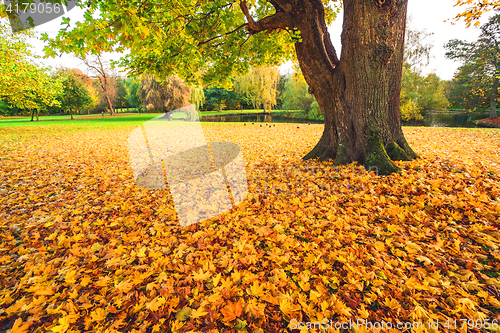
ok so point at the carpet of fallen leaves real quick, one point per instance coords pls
(495, 121)
(82, 248)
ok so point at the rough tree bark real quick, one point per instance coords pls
(358, 93)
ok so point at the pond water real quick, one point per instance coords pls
(448, 119)
(257, 118)
(436, 119)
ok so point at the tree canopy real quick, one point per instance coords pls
(166, 95)
(181, 37)
(24, 84)
(74, 95)
(481, 57)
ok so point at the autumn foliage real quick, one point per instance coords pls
(82, 248)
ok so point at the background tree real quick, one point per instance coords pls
(218, 96)
(88, 83)
(482, 56)
(121, 94)
(280, 87)
(469, 89)
(197, 96)
(132, 85)
(259, 86)
(417, 47)
(419, 93)
(296, 95)
(23, 84)
(106, 81)
(163, 96)
(74, 95)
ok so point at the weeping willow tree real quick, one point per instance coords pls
(259, 86)
(197, 96)
(163, 96)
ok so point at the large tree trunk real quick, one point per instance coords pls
(493, 98)
(358, 94)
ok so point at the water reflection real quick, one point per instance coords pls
(257, 118)
(448, 119)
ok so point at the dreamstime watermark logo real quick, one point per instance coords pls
(204, 179)
(32, 13)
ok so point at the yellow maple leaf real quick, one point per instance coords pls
(197, 313)
(392, 303)
(419, 313)
(200, 276)
(74, 294)
(216, 279)
(98, 314)
(96, 247)
(70, 277)
(287, 306)
(424, 259)
(142, 252)
(85, 281)
(65, 322)
(306, 286)
(379, 246)
(257, 289)
(412, 283)
(255, 309)
(314, 295)
(20, 327)
(45, 291)
(103, 281)
(342, 309)
(363, 313)
(125, 286)
(155, 304)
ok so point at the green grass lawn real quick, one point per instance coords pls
(99, 121)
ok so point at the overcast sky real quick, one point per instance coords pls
(424, 14)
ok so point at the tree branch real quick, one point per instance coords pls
(330, 50)
(219, 36)
(279, 20)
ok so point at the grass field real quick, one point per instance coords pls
(83, 248)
